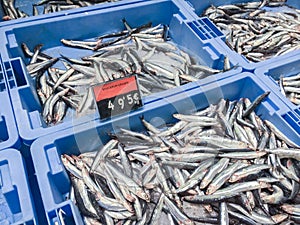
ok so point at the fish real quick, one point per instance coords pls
(158, 176)
(49, 6)
(158, 63)
(255, 29)
(289, 87)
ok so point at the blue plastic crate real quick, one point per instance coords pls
(52, 29)
(16, 204)
(200, 6)
(197, 7)
(23, 5)
(269, 73)
(9, 136)
(46, 151)
(27, 7)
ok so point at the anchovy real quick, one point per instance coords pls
(102, 152)
(224, 217)
(222, 177)
(146, 50)
(176, 213)
(246, 171)
(34, 68)
(255, 103)
(280, 135)
(130, 183)
(255, 29)
(213, 170)
(146, 177)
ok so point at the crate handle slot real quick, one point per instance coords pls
(18, 71)
(205, 29)
(62, 215)
(293, 120)
(8, 189)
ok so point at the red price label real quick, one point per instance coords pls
(118, 96)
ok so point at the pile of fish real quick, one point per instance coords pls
(145, 51)
(258, 30)
(220, 165)
(11, 12)
(289, 87)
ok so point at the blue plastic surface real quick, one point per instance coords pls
(270, 72)
(83, 25)
(27, 7)
(9, 136)
(15, 199)
(197, 8)
(23, 5)
(46, 151)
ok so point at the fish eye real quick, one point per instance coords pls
(146, 196)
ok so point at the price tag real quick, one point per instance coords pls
(117, 97)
